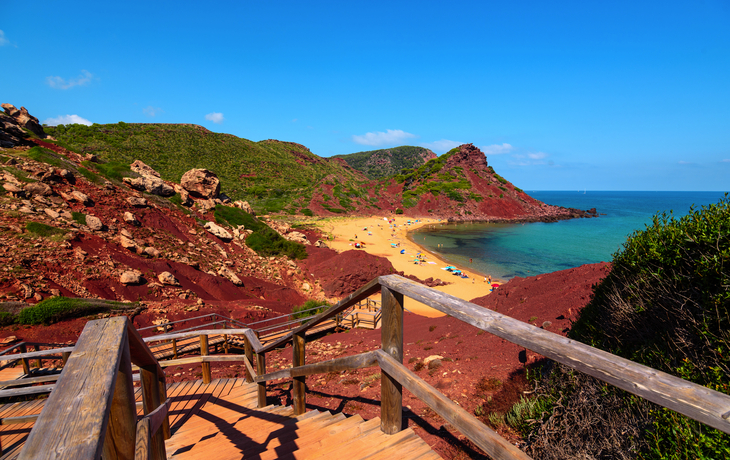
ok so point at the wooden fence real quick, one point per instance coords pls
(98, 375)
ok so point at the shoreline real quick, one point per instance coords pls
(378, 238)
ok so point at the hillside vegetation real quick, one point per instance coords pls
(665, 304)
(378, 164)
(272, 175)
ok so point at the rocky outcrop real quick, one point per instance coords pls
(143, 169)
(201, 183)
(149, 180)
(131, 277)
(243, 205)
(24, 119)
(167, 278)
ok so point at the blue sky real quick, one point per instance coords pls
(559, 95)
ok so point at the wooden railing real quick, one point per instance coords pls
(91, 411)
(697, 402)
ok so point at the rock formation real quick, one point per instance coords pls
(201, 183)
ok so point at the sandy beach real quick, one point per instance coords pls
(379, 237)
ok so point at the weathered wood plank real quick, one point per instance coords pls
(143, 445)
(253, 339)
(27, 391)
(86, 383)
(139, 352)
(695, 401)
(248, 350)
(35, 354)
(364, 292)
(194, 333)
(119, 438)
(344, 363)
(481, 435)
(29, 381)
(391, 397)
(250, 373)
(19, 420)
(260, 370)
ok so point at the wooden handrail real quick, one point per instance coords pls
(695, 401)
(346, 363)
(94, 397)
(369, 289)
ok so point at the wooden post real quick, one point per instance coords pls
(120, 432)
(299, 383)
(248, 350)
(165, 428)
(174, 348)
(261, 370)
(391, 403)
(38, 362)
(150, 401)
(64, 358)
(24, 361)
(204, 352)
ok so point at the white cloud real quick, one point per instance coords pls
(66, 120)
(3, 41)
(152, 111)
(726, 160)
(60, 83)
(391, 136)
(215, 117)
(537, 155)
(444, 145)
(496, 149)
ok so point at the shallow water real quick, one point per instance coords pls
(508, 250)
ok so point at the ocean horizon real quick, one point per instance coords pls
(508, 250)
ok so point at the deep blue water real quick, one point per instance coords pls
(508, 250)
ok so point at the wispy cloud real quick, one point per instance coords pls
(496, 149)
(537, 155)
(61, 83)
(66, 120)
(726, 160)
(3, 41)
(152, 111)
(215, 117)
(529, 159)
(391, 136)
(444, 145)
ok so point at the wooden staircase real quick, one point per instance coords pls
(229, 426)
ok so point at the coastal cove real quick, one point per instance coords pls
(507, 250)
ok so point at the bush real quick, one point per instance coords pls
(112, 170)
(298, 312)
(6, 318)
(665, 304)
(47, 156)
(306, 212)
(59, 308)
(399, 211)
(79, 217)
(44, 230)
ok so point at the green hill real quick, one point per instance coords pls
(272, 175)
(377, 164)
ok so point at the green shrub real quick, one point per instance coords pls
(399, 211)
(665, 304)
(44, 230)
(47, 156)
(7, 318)
(298, 312)
(56, 309)
(112, 170)
(90, 176)
(306, 212)
(79, 217)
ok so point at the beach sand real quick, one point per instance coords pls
(378, 239)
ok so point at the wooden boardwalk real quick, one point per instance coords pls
(221, 419)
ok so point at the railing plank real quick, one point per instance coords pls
(29, 381)
(35, 354)
(193, 333)
(27, 391)
(487, 439)
(346, 363)
(299, 384)
(119, 438)
(81, 399)
(695, 401)
(364, 292)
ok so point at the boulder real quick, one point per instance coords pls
(13, 189)
(137, 202)
(168, 278)
(130, 219)
(151, 184)
(297, 237)
(94, 223)
(51, 213)
(218, 231)
(143, 169)
(227, 273)
(152, 252)
(38, 188)
(184, 195)
(321, 244)
(131, 277)
(243, 205)
(81, 198)
(201, 183)
(127, 243)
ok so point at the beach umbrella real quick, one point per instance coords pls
(402, 251)
(495, 285)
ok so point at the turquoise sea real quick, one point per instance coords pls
(508, 250)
